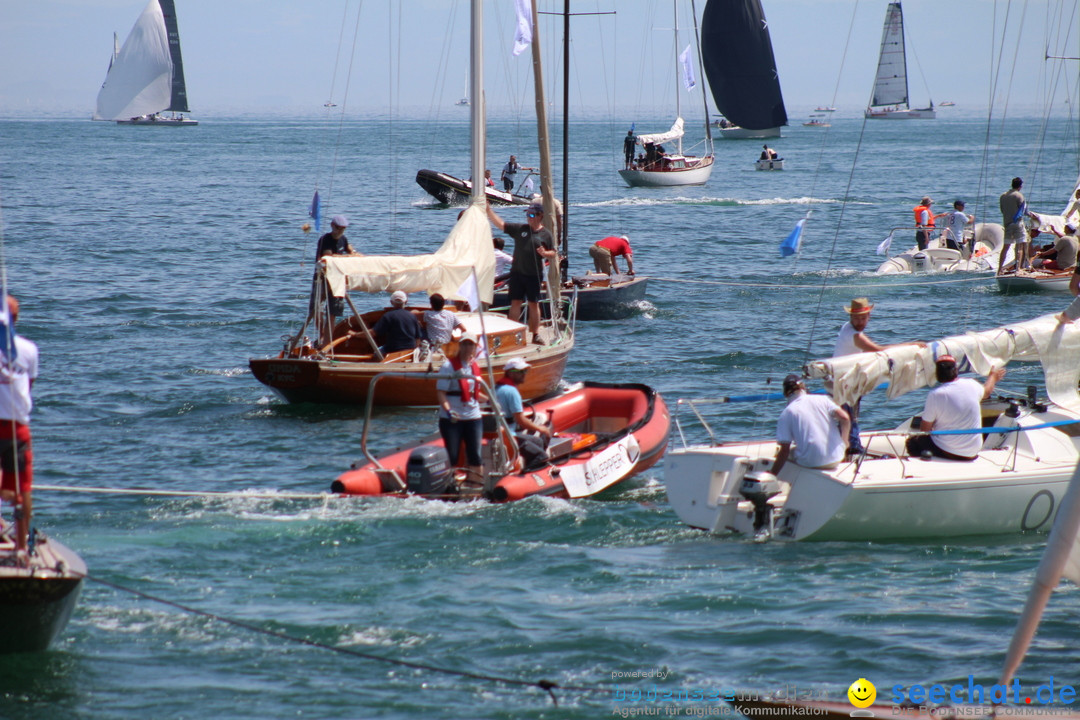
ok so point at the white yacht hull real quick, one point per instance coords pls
(902, 114)
(696, 174)
(940, 258)
(777, 164)
(1028, 281)
(739, 133)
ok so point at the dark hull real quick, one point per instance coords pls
(450, 190)
(614, 302)
(35, 604)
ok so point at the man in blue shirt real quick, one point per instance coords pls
(532, 436)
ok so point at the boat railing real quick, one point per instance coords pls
(503, 455)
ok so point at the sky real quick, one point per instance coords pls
(280, 56)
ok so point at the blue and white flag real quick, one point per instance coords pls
(883, 248)
(7, 333)
(687, 68)
(523, 33)
(791, 243)
(315, 211)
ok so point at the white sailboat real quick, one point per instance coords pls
(659, 169)
(146, 76)
(890, 99)
(1012, 279)
(1015, 484)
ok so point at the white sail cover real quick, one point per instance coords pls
(140, 79)
(674, 133)
(908, 367)
(468, 247)
(890, 84)
(1071, 214)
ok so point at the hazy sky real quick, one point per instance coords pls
(244, 56)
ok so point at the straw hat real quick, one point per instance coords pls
(860, 306)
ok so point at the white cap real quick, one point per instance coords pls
(340, 220)
(516, 364)
(467, 337)
(398, 298)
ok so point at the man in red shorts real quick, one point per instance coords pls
(18, 368)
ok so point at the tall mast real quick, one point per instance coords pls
(678, 99)
(476, 106)
(565, 123)
(548, 192)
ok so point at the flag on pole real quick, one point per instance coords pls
(791, 243)
(7, 333)
(523, 33)
(470, 291)
(883, 248)
(528, 186)
(315, 211)
(687, 68)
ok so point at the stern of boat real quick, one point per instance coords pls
(703, 488)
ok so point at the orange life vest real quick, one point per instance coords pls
(929, 214)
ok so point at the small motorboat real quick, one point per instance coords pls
(604, 434)
(450, 190)
(824, 108)
(1034, 280)
(770, 164)
(36, 597)
(938, 257)
(816, 123)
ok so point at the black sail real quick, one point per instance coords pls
(739, 63)
(179, 89)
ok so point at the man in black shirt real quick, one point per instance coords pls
(398, 328)
(532, 245)
(332, 243)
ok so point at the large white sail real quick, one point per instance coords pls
(890, 84)
(140, 79)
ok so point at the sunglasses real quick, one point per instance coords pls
(530, 214)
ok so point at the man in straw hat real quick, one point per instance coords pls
(953, 405)
(853, 339)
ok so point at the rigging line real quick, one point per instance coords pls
(438, 92)
(548, 686)
(344, 104)
(140, 492)
(330, 99)
(815, 287)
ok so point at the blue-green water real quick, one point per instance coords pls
(153, 262)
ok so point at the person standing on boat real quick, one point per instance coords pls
(509, 171)
(851, 340)
(628, 145)
(604, 252)
(460, 396)
(814, 424)
(532, 245)
(953, 405)
(1013, 208)
(955, 221)
(18, 369)
(531, 435)
(331, 243)
(924, 222)
(398, 329)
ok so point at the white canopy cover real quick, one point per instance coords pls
(674, 133)
(447, 271)
(140, 78)
(909, 367)
(1071, 213)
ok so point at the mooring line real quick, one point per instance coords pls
(192, 493)
(877, 286)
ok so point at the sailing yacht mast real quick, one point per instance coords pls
(476, 109)
(678, 99)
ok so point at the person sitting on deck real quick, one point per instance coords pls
(439, 322)
(953, 405)
(398, 329)
(1062, 255)
(531, 434)
(767, 153)
(814, 424)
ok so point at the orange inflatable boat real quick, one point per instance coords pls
(604, 433)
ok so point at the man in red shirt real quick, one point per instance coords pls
(605, 251)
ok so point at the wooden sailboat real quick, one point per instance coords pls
(146, 76)
(739, 63)
(890, 98)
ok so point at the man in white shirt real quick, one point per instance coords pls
(18, 369)
(814, 425)
(955, 222)
(953, 405)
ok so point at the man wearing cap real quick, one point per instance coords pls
(851, 340)
(955, 222)
(1013, 208)
(532, 245)
(398, 329)
(1064, 250)
(814, 424)
(604, 252)
(331, 243)
(953, 405)
(532, 436)
(459, 397)
(18, 369)
(924, 222)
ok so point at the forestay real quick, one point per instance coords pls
(446, 271)
(674, 133)
(140, 78)
(908, 367)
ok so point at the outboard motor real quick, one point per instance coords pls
(920, 262)
(759, 487)
(428, 471)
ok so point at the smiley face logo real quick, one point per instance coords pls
(862, 693)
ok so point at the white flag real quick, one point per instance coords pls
(883, 248)
(523, 34)
(687, 68)
(470, 292)
(528, 186)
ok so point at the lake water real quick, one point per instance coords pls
(153, 262)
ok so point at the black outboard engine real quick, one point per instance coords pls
(759, 487)
(428, 471)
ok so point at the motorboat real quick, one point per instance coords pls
(1034, 280)
(816, 123)
(769, 164)
(939, 257)
(37, 596)
(890, 97)
(1031, 449)
(824, 108)
(603, 434)
(450, 190)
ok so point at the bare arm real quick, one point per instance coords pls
(495, 219)
(781, 457)
(867, 345)
(844, 419)
(523, 421)
(630, 264)
(992, 380)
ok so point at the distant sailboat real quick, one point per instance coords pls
(890, 100)
(146, 76)
(739, 63)
(464, 101)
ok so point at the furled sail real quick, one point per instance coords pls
(446, 271)
(1046, 222)
(140, 79)
(674, 133)
(907, 367)
(178, 100)
(739, 64)
(890, 83)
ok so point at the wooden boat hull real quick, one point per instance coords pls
(596, 301)
(696, 173)
(450, 190)
(36, 603)
(1035, 281)
(609, 433)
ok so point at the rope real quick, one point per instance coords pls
(548, 686)
(190, 493)
(816, 286)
